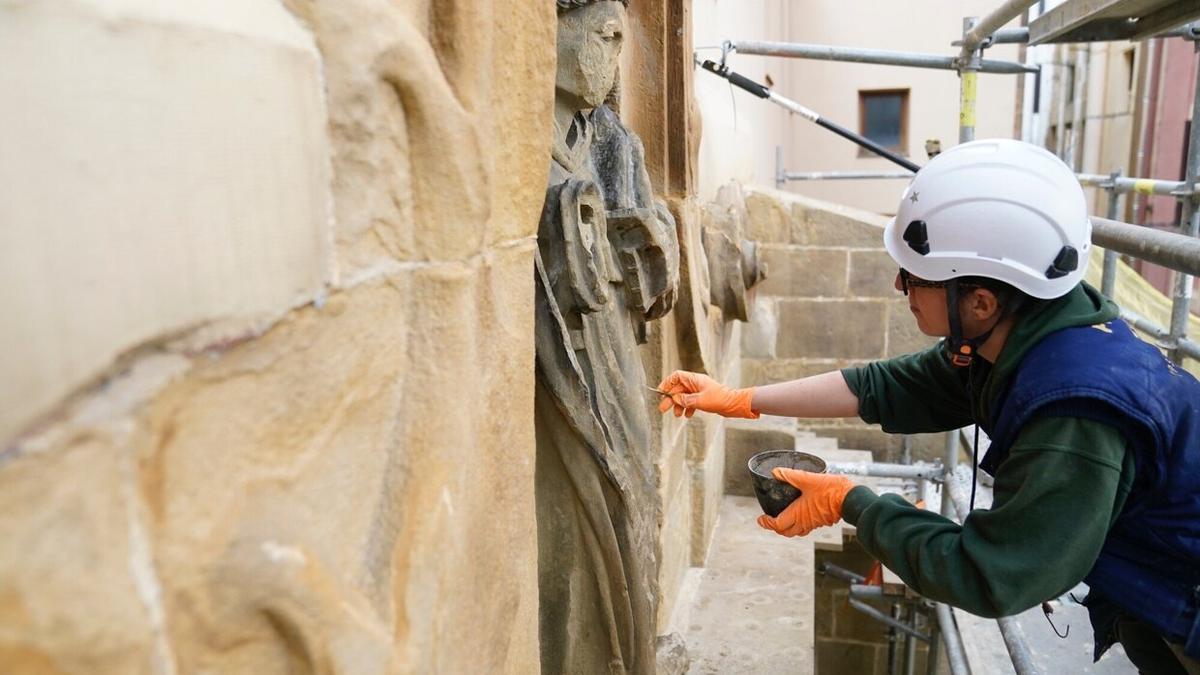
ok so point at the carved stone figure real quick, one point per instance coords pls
(608, 262)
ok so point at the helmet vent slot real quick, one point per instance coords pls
(917, 237)
(1065, 262)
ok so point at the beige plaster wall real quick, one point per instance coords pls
(268, 352)
(831, 89)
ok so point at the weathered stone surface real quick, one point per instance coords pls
(769, 219)
(867, 659)
(707, 468)
(903, 336)
(753, 605)
(805, 272)
(852, 434)
(766, 371)
(812, 222)
(828, 225)
(675, 550)
(872, 274)
(672, 655)
(608, 264)
(142, 197)
(315, 490)
(296, 502)
(76, 577)
(849, 329)
(439, 116)
(758, 336)
(819, 223)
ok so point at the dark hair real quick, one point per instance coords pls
(1010, 298)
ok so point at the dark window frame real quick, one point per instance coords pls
(905, 95)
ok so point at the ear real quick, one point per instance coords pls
(981, 304)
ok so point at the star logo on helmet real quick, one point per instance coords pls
(913, 198)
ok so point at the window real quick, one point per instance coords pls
(883, 118)
(1129, 69)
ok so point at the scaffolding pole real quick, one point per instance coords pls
(1108, 277)
(955, 653)
(1078, 108)
(1189, 225)
(981, 30)
(798, 50)
(1142, 186)
(968, 70)
(1180, 252)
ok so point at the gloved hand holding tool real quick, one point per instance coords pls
(819, 504)
(689, 392)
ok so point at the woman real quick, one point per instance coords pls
(1095, 435)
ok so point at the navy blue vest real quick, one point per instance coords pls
(1149, 566)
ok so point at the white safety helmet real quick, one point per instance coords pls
(1000, 209)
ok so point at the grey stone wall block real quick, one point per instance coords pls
(903, 335)
(802, 272)
(873, 274)
(769, 219)
(758, 336)
(852, 329)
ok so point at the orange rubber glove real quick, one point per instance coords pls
(820, 505)
(690, 392)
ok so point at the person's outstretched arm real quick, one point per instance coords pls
(824, 395)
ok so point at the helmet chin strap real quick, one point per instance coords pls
(962, 350)
(962, 354)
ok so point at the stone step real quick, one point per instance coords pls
(753, 607)
(815, 444)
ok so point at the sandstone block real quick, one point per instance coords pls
(439, 148)
(820, 227)
(903, 336)
(144, 196)
(76, 578)
(708, 486)
(758, 336)
(769, 219)
(767, 371)
(300, 484)
(852, 329)
(872, 274)
(833, 655)
(855, 435)
(675, 551)
(804, 272)
(671, 655)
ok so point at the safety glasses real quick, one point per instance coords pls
(909, 281)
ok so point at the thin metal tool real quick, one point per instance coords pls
(660, 392)
(762, 91)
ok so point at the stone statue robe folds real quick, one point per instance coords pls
(608, 261)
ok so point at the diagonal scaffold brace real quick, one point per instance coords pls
(762, 91)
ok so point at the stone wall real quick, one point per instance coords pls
(267, 362)
(828, 303)
(268, 365)
(848, 641)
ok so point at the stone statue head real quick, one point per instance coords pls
(590, 33)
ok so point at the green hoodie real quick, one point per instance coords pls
(1055, 496)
